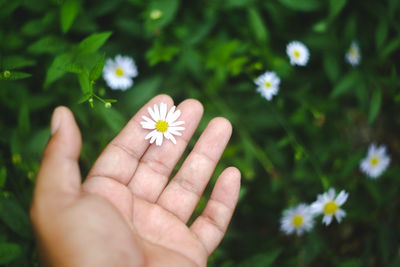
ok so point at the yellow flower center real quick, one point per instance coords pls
(353, 52)
(296, 53)
(330, 208)
(267, 84)
(374, 161)
(119, 72)
(297, 220)
(162, 126)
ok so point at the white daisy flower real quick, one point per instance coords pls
(353, 55)
(376, 161)
(299, 219)
(118, 73)
(162, 124)
(268, 84)
(328, 205)
(298, 53)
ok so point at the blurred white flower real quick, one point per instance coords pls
(353, 55)
(298, 53)
(376, 162)
(299, 219)
(162, 124)
(268, 84)
(118, 73)
(328, 205)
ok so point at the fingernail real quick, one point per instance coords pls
(55, 121)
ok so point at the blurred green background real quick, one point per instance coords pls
(310, 137)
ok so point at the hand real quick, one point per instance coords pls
(126, 213)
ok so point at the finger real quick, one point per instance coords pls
(120, 158)
(158, 162)
(181, 195)
(59, 180)
(211, 225)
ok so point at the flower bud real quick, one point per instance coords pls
(7, 74)
(155, 14)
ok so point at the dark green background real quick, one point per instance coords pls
(310, 137)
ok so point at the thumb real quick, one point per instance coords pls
(59, 177)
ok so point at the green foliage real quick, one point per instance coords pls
(310, 137)
(8, 252)
(69, 11)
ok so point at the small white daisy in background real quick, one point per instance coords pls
(298, 219)
(329, 205)
(376, 161)
(268, 84)
(298, 53)
(118, 73)
(162, 124)
(353, 55)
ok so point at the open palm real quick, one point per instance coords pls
(126, 211)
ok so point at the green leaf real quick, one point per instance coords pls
(113, 118)
(109, 100)
(159, 53)
(331, 66)
(37, 142)
(144, 90)
(15, 62)
(72, 67)
(85, 98)
(335, 6)
(344, 85)
(69, 11)
(97, 70)
(3, 177)
(236, 3)
(257, 25)
(165, 10)
(14, 75)
(381, 34)
(376, 102)
(353, 262)
(23, 119)
(47, 45)
(57, 68)
(15, 218)
(84, 82)
(390, 48)
(9, 252)
(93, 43)
(262, 259)
(302, 5)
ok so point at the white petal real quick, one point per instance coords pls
(339, 214)
(147, 119)
(331, 193)
(177, 123)
(174, 132)
(174, 116)
(177, 128)
(163, 111)
(327, 219)
(151, 134)
(148, 125)
(156, 113)
(159, 139)
(153, 138)
(170, 113)
(152, 114)
(316, 208)
(170, 137)
(341, 198)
